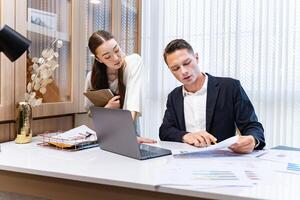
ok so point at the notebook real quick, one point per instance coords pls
(99, 97)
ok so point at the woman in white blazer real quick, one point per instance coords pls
(120, 73)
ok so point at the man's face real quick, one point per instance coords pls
(184, 66)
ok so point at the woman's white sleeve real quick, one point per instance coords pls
(87, 86)
(133, 96)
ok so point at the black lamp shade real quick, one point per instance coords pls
(12, 43)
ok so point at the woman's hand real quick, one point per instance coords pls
(145, 140)
(113, 103)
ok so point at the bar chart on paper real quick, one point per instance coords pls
(293, 167)
(195, 173)
(214, 175)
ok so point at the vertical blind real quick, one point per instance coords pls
(99, 15)
(98, 18)
(129, 29)
(257, 42)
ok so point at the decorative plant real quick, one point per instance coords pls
(41, 73)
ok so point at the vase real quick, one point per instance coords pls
(23, 123)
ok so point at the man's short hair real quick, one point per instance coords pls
(176, 45)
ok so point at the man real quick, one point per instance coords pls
(207, 109)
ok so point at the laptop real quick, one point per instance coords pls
(116, 133)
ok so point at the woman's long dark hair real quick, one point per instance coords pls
(99, 77)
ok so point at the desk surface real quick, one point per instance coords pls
(101, 167)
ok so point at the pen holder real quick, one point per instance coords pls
(23, 123)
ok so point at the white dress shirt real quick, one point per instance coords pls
(195, 108)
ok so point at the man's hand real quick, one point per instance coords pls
(113, 102)
(245, 144)
(145, 140)
(199, 139)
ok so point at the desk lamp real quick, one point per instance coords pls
(13, 45)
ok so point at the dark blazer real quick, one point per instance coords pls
(227, 107)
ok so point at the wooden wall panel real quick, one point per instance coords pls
(8, 130)
(52, 124)
(6, 67)
(4, 132)
(84, 119)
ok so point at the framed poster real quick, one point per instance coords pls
(42, 19)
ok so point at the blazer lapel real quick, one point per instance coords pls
(179, 108)
(211, 99)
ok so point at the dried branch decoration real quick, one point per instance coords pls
(42, 71)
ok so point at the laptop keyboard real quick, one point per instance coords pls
(147, 153)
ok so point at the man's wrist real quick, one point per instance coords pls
(183, 140)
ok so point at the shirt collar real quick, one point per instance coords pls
(202, 90)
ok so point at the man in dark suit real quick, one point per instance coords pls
(206, 109)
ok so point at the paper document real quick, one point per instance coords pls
(282, 156)
(293, 168)
(256, 170)
(290, 168)
(81, 135)
(190, 173)
(212, 148)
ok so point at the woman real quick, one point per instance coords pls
(120, 73)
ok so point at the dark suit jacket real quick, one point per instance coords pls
(227, 107)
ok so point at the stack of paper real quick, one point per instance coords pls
(74, 138)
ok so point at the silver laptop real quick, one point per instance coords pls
(116, 133)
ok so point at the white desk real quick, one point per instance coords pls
(34, 170)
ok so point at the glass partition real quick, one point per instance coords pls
(98, 17)
(47, 21)
(129, 26)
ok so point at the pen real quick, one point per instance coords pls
(88, 134)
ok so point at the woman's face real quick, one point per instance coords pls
(110, 54)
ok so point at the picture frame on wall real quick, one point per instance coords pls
(39, 19)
